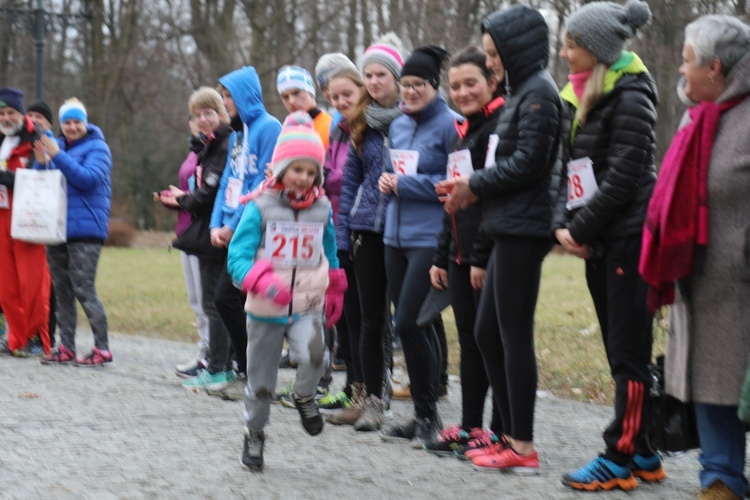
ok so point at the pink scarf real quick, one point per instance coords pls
(578, 81)
(677, 216)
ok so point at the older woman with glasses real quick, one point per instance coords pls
(696, 244)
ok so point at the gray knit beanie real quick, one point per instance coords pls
(330, 63)
(603, 27)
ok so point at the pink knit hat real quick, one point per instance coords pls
(387, 53)
(298, 140)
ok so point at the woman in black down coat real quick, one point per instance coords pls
(517, 194)
(609, 150)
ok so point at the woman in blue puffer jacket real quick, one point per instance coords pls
(419, 142)
(83, 157)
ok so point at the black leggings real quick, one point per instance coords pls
(441, 350)
(230, 302)
(347, 328)
(474, 381)
(409, 281)
(218, 338)
(368, 253)
(505, 329)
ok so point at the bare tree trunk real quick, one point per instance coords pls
(351, 31)
(364, 10)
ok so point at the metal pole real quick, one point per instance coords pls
(39, 23)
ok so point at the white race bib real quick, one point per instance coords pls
(459, 164)
(404, 161)
(489, 161)
(582, 184)
(233, 192)
(294, 244)
(4, 201)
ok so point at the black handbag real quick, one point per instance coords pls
(672, 425)
(196, 239)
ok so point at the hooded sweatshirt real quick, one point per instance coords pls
(250, 146)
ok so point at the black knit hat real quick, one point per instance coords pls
(426, 62)
(42, 108)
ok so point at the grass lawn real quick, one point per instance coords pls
(143, 292)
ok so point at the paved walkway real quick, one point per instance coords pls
(130, 430)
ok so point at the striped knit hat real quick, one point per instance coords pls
(298, 140)
(73, 109)
(385, 52)
(294, 77)
(330, 63)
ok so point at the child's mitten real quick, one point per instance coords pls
(337, 285)
(263, 281)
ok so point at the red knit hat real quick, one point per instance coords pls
(298, 140)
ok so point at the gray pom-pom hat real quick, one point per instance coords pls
(602, 28)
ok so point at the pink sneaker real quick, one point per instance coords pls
(61, 355)
(96, 358)
(482, 443)
(509, 460)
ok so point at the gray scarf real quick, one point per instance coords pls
(380, 118)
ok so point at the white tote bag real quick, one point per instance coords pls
(40, 207)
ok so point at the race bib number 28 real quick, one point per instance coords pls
(294, 244)
(582, 184)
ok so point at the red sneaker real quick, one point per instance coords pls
(482, 444)
(59, 356)
(96, 358)
(509, 460)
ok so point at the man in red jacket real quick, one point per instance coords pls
(24, 294)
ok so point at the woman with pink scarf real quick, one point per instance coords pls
(696, 247)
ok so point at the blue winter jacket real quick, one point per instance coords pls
(362, 205)
(86, 165)
(246, 160)
(414, 216)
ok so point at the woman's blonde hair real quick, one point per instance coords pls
(208, 98)
(350, 73)
(594, 89)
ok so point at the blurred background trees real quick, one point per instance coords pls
(135, 62)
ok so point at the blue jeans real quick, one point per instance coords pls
(722, 438)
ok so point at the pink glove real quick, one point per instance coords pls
(263, 281)
(337, 285)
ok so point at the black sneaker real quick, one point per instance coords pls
(427, 430)
(399, 432)
(252, 450)
(450, 439)
(312, 422)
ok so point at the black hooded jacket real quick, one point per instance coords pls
(518, 194)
